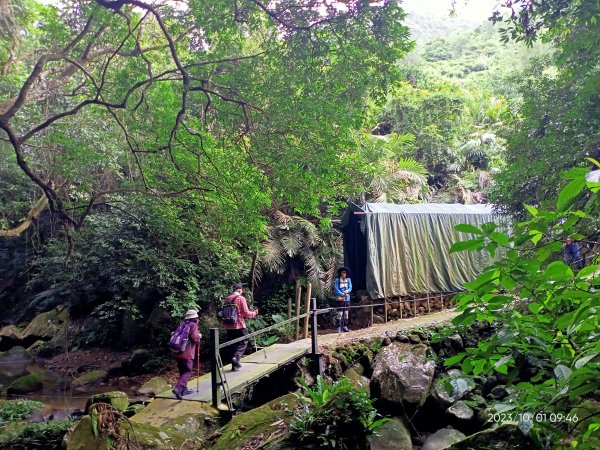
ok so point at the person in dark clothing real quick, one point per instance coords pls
(572, 254)
(238, 329)
(185, 359)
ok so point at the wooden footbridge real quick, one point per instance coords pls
(221, 381)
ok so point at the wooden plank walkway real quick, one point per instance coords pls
(254, 367)
(269, 359)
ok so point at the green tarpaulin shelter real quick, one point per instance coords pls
(394, 250)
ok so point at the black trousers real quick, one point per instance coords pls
(237, 350)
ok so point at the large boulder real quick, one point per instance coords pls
(154, 386)
(442, 439)
(402, 374)
(45, 326)
(10, 336)
(265, 427)
(392, 435)
(26, 384)
(504, 437)
(14, 362)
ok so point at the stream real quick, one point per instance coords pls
(59, 395)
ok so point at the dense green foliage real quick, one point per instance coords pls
(547, 318)
(168, 148)
(336, 415)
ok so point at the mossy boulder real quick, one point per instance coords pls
(46, 326)
(359, 381)
(89, 377)
(504, 437)
(26, 384)
(392, 435)
(265, 427)
(154, 386)
(117, 399)
(164, 424)
(142, 436)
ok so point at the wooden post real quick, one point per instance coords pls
(215, 379)
(401, 307)
(298, 296)
(289, 308)
(307, 308)
(428, 307)
(372, 309)
(385, 303)
(415, 307)
(317, 357)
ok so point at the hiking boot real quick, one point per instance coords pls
(235, 364)
(186, 392)
(345, 329)
(177, 394)
(235, 368)
(338, 329)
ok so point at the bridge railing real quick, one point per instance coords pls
(218, 379)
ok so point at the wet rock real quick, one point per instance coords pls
(442, 439)
(489, 384)
(26, 384)
(454, 342)
(400, 337)
(498, 393)
(392, 435)
(89, 377)
(460, 415)
(117, 399)
(386, 341)
(414, 339)
(504, 437)
(402, 374)
(154, 386)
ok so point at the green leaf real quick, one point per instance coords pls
(471, 244)
(586, 271)
(569, 193)
(535, 236)
(500, 238)
(525, 423)
(557, 271)
(504, 407)
(533, 211)
(467, 228)
(562, 372)
(583, 361)
(454, 359)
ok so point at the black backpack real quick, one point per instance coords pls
(229, 312)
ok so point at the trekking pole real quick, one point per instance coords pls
(198, 368)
